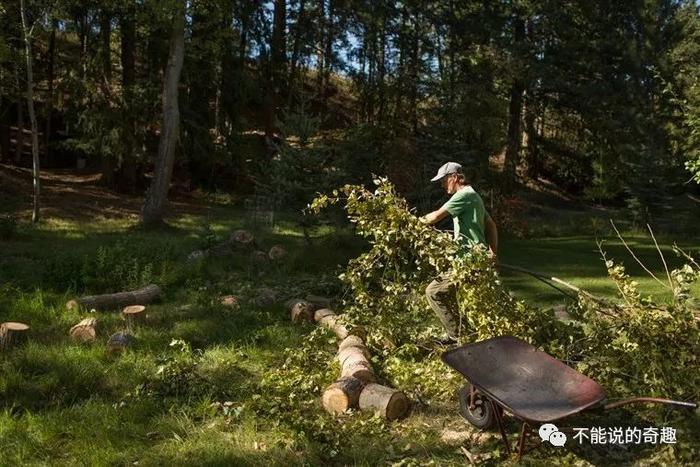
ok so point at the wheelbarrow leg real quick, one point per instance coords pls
(524, 431)
(499, 421)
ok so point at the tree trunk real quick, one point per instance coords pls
(531, 148)
(112, 301)
(84, 331)
(158, 192)
(105, 35)
(32, 114)
(50, 97)
(5, 130)
(328, 53)
(276, 70)
(296, 51)
(127, 169)
(515, 110)
(342, 395)
(387, 402)
(19, 135)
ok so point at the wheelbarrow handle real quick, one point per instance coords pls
(656, 400)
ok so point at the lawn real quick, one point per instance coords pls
(188, 392)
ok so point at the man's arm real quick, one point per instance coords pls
(435, 216)
(491, 234)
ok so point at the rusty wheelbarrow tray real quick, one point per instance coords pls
(508, 373)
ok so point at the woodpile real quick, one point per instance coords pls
(113, 301)
(84, 331)
(12, 333)
(356, 387)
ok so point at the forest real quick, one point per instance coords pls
(210, 209)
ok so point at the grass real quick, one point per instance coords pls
(70, 404)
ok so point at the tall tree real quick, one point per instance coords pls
(515, 107)
(26, 33)
(277, 66)
(157, 195)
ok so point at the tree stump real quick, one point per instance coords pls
(342, 395)
(266, 297)
(84, 331)
(229, 300)
(146, 295)
(133, 314)
(259, 257)
(119, 342)
(300, 310)
(277, 252)
(387, 402)
(242, 239)
(12, 333)
(329, 320)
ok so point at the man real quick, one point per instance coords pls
(472, 226)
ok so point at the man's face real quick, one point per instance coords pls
(448, 183)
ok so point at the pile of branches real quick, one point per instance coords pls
(632, 346)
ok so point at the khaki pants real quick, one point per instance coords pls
(442, 297)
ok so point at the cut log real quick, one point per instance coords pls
(342, 395)
(119, 342)
(12, 333)
(351, 341)
(148, 294)
(322, 313)
(360, 370)
(84, 331)
(300, 310)
(329, 320)
(350, 352)
(387, 402)
(277, 252)
(320, 302)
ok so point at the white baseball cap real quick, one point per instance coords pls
(447, 169)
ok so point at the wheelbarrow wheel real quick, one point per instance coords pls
(481, 415)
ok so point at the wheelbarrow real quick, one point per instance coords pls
(506, 373)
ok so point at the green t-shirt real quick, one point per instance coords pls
(469, 215)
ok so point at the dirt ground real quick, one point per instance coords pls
(78, 195)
